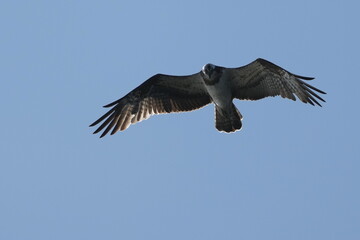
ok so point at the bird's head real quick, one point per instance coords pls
(211, 73)
(208, 70)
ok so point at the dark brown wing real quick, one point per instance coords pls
(262, 78)
(159, 94)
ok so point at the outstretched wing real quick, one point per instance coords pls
(159, 94)
(262, 78)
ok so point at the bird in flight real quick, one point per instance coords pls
(213, 84)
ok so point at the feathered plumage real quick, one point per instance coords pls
(213, 84)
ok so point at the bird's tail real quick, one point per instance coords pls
(228, 121)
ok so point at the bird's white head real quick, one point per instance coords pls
(211, 74)
(208, 70)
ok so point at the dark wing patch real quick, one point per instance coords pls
(159, 94)
(262, 78)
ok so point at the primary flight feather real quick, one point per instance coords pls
(213, 84)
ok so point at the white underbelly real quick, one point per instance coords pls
(220, 94)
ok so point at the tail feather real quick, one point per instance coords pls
(227, 121)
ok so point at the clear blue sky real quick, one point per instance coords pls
(292, 172)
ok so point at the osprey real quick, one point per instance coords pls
(213, 84)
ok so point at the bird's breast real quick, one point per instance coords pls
(220, 93)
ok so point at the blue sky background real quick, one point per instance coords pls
(292, 172)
